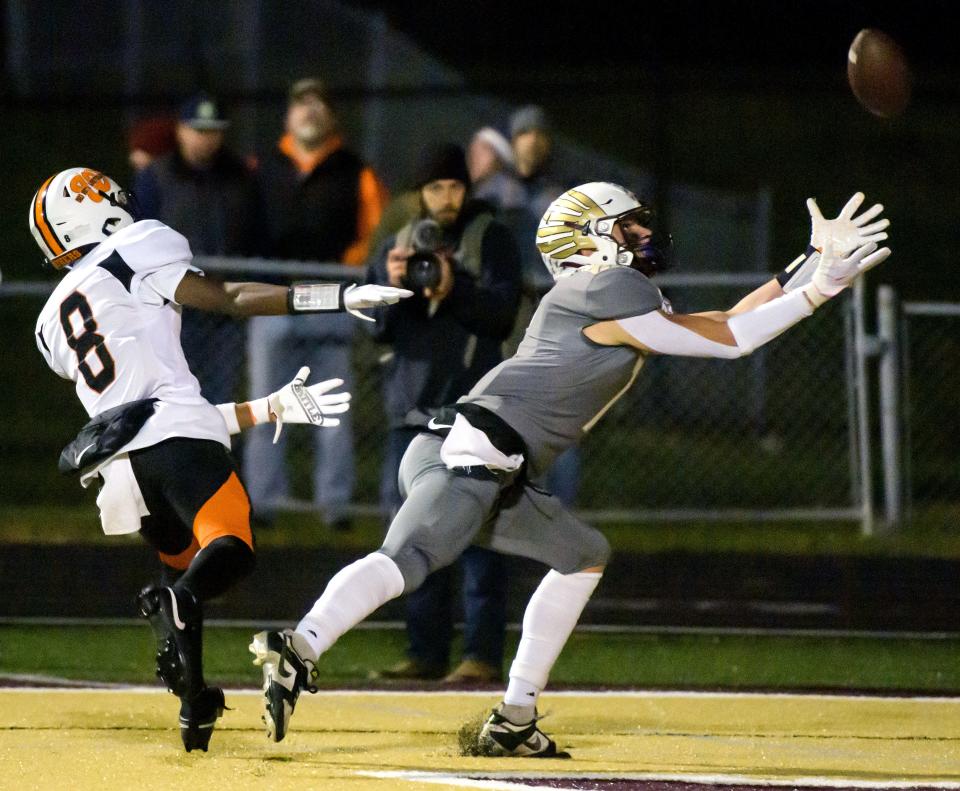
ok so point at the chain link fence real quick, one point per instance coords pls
(766, 437)
(930, 339)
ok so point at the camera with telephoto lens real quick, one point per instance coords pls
(423, 266)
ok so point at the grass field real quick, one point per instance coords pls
(675, 661)
(931, 535)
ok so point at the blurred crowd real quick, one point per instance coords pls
(461, 236)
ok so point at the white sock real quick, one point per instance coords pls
(351, 595)
(551, 614)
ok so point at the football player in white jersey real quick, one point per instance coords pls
(112, 326)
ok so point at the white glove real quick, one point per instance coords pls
(371, 296)
(846, 231)
(294, 403)
(834, 272)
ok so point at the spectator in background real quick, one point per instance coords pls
(320, 203)
(490, 162)
(490, 166)
(150, 138)
(209, 195)
(443, 339)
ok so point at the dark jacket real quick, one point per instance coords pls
(326, 214)
(214, 208)
(436, 359)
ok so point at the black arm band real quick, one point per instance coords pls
(787, 274)
(315, 297)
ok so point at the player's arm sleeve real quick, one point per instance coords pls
(488, 305)
(661, 335)
(687, 336)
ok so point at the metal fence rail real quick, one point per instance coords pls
(771, 437)
(929, 339)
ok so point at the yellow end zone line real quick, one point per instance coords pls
(501, 780)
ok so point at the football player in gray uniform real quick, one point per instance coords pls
(472, 475)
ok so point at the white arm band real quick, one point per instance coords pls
(750, 330)
(229, 412)
(761, 325)
(658, 333)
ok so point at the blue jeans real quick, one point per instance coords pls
(563, 479)
(208, 339)
(430, 611)
(277, 346)
(430, 608)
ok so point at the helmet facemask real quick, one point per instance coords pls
(643, 247)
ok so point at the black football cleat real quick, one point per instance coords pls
(501, 737)
(198, 715)
(177, 624)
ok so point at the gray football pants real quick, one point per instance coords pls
(444, 512)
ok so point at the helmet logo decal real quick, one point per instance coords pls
(564, 229)
(89, 184)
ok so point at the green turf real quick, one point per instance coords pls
(124, 654)
(931, 535)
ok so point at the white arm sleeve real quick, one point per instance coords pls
(657, 332)
(750, 330)
(760, 325)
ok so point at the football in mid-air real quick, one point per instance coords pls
(879, 73)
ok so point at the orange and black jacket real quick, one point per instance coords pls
(323, 207)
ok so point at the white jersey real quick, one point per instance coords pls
(112, 326)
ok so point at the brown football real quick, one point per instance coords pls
(878, 73)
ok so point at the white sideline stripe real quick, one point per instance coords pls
(733, 631)
(100, 687)
(498, 780)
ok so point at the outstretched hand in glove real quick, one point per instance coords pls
(371, 296)
(297, 402)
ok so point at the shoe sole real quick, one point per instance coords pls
(170, 662)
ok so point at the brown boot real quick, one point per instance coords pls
(411, 670)
(473, 671)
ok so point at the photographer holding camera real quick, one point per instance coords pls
(464, 269)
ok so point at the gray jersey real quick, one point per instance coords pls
(559, 383)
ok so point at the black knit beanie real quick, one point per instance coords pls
(441, 161)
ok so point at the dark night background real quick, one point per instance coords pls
(729, 96)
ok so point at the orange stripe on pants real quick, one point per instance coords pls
(181, 560)
(227, 513)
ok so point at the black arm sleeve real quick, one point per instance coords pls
(487, 305)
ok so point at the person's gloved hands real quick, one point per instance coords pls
(371, 296)
(314, 404)
(847, 232)
(834, 272)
